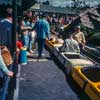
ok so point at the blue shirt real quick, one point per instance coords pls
(42, 29)
(6, 33)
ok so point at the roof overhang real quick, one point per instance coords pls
(6, 2)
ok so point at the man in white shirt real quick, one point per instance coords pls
(70, 45)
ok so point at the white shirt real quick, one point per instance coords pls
(70, 45)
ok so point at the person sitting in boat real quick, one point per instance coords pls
(79, 37)
(70, 45)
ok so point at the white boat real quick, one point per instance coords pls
(69, 59)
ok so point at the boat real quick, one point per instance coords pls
(68, 59)
(88, 78)
(53, 47)
(82, 70)
(52, 44)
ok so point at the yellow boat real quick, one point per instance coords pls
(77, 65)
(53, 46)
(88, 78)
(49, 44)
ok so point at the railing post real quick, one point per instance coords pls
(14, 26)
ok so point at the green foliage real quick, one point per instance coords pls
(94, 39)
(83, 28)
(96, 35)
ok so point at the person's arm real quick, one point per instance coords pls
(48, 31)
(83, 40)
(24, 28)
(4, 68)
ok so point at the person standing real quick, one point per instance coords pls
(32, 35)
(6, 39)
(42, 29)
(6, 30)
(25, 31)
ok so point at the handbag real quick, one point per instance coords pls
(6, 55)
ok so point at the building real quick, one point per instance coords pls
(89, 21)
(50, 9)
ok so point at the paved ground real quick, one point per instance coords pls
(45, 80)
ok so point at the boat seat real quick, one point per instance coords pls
(58, 45)
(92, 73)
(81, 62)
(72, 56)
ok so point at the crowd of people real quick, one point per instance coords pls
(32, 24)
(74, 42)
(36, 28)
(32, 27)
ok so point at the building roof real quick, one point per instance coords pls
(89, 18)
(48, 8)
(86, 21)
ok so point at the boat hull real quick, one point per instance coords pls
(88, 82)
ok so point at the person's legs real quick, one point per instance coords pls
(41, 43)
(25, 40)
(35, 45)
(30, 44)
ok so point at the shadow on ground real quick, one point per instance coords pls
(74, 86)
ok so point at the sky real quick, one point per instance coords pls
(64, 3)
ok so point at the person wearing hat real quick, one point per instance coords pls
(79, 37)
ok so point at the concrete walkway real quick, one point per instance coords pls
(44, 80)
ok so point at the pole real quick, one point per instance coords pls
(14, 27)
